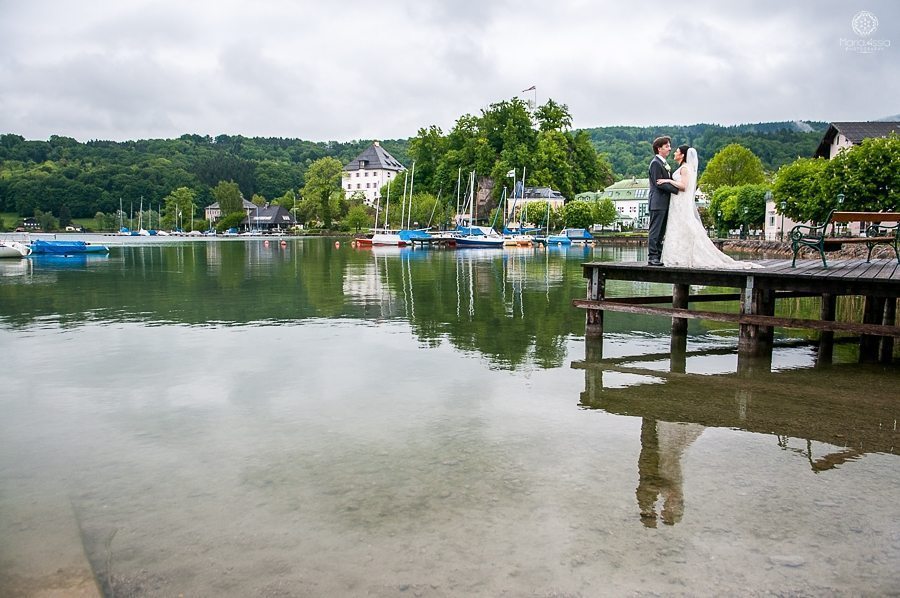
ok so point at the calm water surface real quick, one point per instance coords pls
(229, 418)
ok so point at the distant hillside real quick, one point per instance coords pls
(776, 143)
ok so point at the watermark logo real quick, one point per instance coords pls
(864, 24)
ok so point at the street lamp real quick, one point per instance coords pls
(719, 221)
(840, 201)
(745, 228)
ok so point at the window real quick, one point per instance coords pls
(357, 185)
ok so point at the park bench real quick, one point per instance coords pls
(877, 233)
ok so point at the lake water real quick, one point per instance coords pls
(236, 418)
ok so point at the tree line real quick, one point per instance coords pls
(61, 179)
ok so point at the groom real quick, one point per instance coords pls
(659, 199)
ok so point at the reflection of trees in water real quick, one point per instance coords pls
(659, 469)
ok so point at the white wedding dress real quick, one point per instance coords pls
(686, 244)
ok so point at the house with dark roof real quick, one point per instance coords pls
(370, 171)
(269, 218)
(533, 194)
(213, 212)
(840, 136)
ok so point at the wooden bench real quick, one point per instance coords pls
(877, 233)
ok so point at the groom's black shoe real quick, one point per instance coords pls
(655, 263)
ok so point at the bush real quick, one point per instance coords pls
(232, 220)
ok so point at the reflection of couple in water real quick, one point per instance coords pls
(659, 469)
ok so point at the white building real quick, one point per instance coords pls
(530, 195)
(777, 226)
(840, 136)
(369, 172)
(213, 212)
(631, 198)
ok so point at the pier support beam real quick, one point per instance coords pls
(678, 343)
(873, 313)
(596, 289)
(755, 341)
(826, 337)
(887, 342)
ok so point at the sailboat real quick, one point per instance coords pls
(14, 249)
(470, 235)
(407, 234)
(518, 235)
(123, 230)
(141, 230)
(387, 236)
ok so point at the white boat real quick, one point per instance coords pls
(14, 249)
(388, 238)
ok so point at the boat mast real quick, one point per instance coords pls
(403, 199)
(387, 207)
(458, 189)
(412, 181)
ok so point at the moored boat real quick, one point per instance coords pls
(41, 247)
(14, 249)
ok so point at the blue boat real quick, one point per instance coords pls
(41, 247)
(570, 236)
(478, 236)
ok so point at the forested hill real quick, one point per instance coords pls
(97, 175)
(94, 176)
(776, 143)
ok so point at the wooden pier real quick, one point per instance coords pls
(758, 290)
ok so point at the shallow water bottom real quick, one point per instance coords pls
(244, 463)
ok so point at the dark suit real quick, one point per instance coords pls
(659, 208)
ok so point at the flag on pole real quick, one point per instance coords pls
(511, 173)
(532, 88)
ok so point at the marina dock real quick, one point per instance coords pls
(758, 290)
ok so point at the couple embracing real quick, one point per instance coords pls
(677, 235)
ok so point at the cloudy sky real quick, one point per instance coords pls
(321, 70)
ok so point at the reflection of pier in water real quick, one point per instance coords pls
(843, 407)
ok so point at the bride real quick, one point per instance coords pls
(686, 244)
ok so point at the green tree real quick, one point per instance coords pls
(258, 200)
(604, 211)
(741, 206)
(233, 220)
(868, 175)
(47, 221)
(65, 216)
(178, 208)
(427, 150)
(323, 187)
(357, 218)
(553, 168)
(229, 196)
(732, 165)
(724, 204)
(104, 221)
(553, 117)
(800, 186)
(578, 214)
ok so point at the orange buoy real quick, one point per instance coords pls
(284, 243)
(337, 243)
(266, 243)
